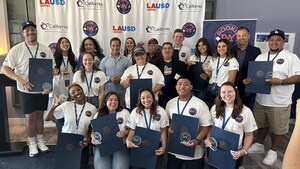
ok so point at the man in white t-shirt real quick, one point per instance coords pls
(16, 67)
(189, 105)
(272, 111)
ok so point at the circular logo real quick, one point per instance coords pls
(222, 144)
(98, 136)
(106, 130)
(189, 29)
(280, 61)
(183, 130)
(185, 137)
(259, 73)
(183, 54)
(97, 80)
(90, 28)
(47, 86)
(123, 6)
(136, 140)
(214, 144)
(52, 46)
(120, 120)
(157, 117)
(239, 119)
(43, 54)
(40, 71)
(88, 113)
(226, 63)
(226, 31)
(150, 72)
(69, 147)
(192, 111)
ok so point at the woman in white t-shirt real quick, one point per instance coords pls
(230, 114)
(149, 115)
(223, 67)
(120, 159)
(92, 80)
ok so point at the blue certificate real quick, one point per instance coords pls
(136, 85)
(259, 72)
(40, 74)
(147, 141)
(68, 151)
(105, 130)
(226, 141)
(185, 129)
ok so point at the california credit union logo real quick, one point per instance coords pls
(157, 30)
(226, 31)
(123, 28)
(53, 27)
(123, 6)
(189, 29)
(183, 6)
(48, 3)
(156, 6)
(90, 28)
(90, 4)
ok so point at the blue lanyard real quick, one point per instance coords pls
(274, 57)
(204, 59)
(225, 122)
(78, 119)
(66, 65)
(147, 124)
(37, 48)
(89, 85)
(137, 70)
(218, 68)
(178, 110)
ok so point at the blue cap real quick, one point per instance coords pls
(277, 32)
(27, 23)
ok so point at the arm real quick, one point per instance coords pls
(247, 143)
(157, 88)
(101, 95)
(125, 83)
(203, 130)
(129, 137)
(49, 114)
(292, 153)
(291, 80)
(232, 75)
(11, 74)
(163, 137)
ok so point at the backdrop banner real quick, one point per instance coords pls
(105, 19)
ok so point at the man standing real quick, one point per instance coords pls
(244, 52)
(113, 67)
(154, 54)
(16, 67)
(273, 110)
(188, 105)
(181, 52)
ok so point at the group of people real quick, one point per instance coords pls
(207, 86)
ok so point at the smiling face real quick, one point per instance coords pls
(202, 48)
(89, 46)
(112, 103)
(178, 38)
(222, 49)
(140, 59)
(227, 94)
(115, 48)
(147, 99)
(167, 51)
(76, 93)
(129, 44)
(87, 62)
(242, 37)
(64, 45)
(30, 34)
(184, 88)
(276, 44)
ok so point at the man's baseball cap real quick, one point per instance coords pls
(138, 50)
(27, 23)
(153, 41)
(277, 32)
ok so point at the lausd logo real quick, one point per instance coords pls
(53, 27)
(47, 3)
(90, 28)
(226, 31)
(90, 4)
(121, 29)
(157, 30)
(123, 6)
(155, 6)
(189, 7)
(189, 29)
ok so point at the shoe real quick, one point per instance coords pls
(43, 148)
(256, 148)
(270, 158)
(33, 150)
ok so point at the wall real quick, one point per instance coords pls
(271, 14)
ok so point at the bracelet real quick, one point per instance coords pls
(245, 151)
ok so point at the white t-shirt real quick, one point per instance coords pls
(67, 111)
(196, 108)
(18, 59)
(224, 67)
(157, 122)
(285, 65)
(150, 72)
(98, 80)
(244, 123)
(184, 53)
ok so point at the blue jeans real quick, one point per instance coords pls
(118, 160)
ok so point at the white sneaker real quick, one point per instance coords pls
(42, 146)
(270, 158)
(33, 151)
(256, 148)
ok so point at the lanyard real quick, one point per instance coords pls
(89, 85)
(78, 119)
(225, 122)
(178, 110)
(218, 68)
(66, 65)
(137, 70)
(147, 124)
(37, 48)
(204, 59)
(274, 57)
